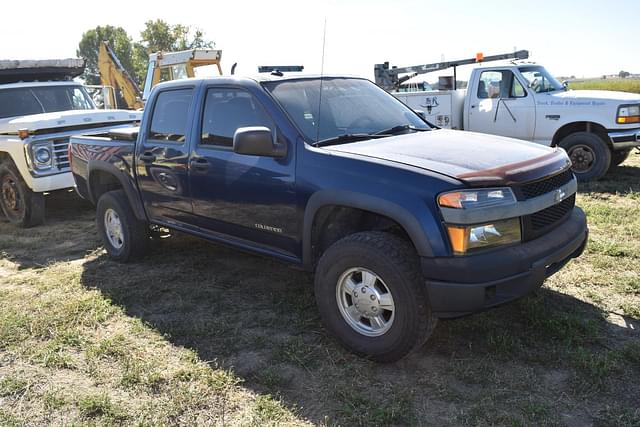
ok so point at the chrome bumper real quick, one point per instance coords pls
(625, 139)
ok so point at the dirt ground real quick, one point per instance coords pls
(200, 334)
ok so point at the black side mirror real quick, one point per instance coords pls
(565, 84)
(257, 141)
(421, 113)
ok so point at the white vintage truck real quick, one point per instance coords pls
(598, 129)
(40, 108)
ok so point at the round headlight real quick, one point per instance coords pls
(43, 155)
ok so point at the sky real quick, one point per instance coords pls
(585, 39)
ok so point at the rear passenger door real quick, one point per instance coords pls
(244, 196)
(162, 157)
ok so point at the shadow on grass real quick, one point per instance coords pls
(258, 318)
(67, 234)
(623, 180)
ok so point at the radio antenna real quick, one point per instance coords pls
(324, 39)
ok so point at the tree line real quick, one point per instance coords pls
(157, 36)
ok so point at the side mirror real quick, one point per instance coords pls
(257, 141)
(565, 84)
(421, 113)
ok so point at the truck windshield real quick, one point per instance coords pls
(539, 79)
(23, 101)
(348, 106)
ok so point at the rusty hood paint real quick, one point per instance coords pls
(473, 158)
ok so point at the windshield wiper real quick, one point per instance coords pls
(347, 137)
(400, 128)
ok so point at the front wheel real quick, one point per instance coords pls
(590, 156)
(125, 237)
(371, 296)
(19, 204)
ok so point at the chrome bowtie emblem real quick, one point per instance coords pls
(560, 195)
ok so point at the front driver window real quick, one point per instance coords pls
(226, 110)
(499, 84)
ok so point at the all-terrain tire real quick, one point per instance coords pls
(19, 204)
(131, 240)
(395, 262)
(589, 154)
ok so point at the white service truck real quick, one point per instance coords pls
(40, 108)
(598, 129)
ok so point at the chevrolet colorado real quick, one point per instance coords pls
(402, 223)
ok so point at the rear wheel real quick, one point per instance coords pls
(125, 237)
(618, 157)
(590, 156)
(20, 205)
(371, 296)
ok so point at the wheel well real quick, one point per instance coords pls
(574, 127)
(4, 156)
(332, 223)
(100, 182)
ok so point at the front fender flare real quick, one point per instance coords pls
(365, 202)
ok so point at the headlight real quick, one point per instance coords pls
(628, 114)
(41, 155)
(475, 199)
(465, 239)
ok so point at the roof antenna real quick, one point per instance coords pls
(324, 39)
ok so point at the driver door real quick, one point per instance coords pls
(501, 105)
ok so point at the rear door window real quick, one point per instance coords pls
(171, 115)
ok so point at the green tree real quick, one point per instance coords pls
(90, 44)
(158, 36)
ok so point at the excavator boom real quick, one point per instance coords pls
(113, 74)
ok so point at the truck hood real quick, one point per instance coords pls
(67, 119)
(473, 158)
(597, 95)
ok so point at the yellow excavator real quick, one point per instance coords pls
(163, 66)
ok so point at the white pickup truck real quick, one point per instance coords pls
(36, 120)
(598, 129)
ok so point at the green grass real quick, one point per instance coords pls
(623, 85)
(196, 334)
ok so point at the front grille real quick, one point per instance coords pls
(538, 188)
(61, 153)
(543, 221)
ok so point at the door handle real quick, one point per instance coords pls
(200, 164)
(148, 157)
(473, 106)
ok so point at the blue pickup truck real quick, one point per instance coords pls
(402, 223)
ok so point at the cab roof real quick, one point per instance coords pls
(257, 78)
(39, 84)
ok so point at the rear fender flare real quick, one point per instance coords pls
(126, 182)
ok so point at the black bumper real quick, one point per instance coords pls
(458, 286)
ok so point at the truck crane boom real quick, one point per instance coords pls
(390, 80)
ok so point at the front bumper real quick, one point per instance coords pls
(50, 183)
(458, 286)
(625, 139)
